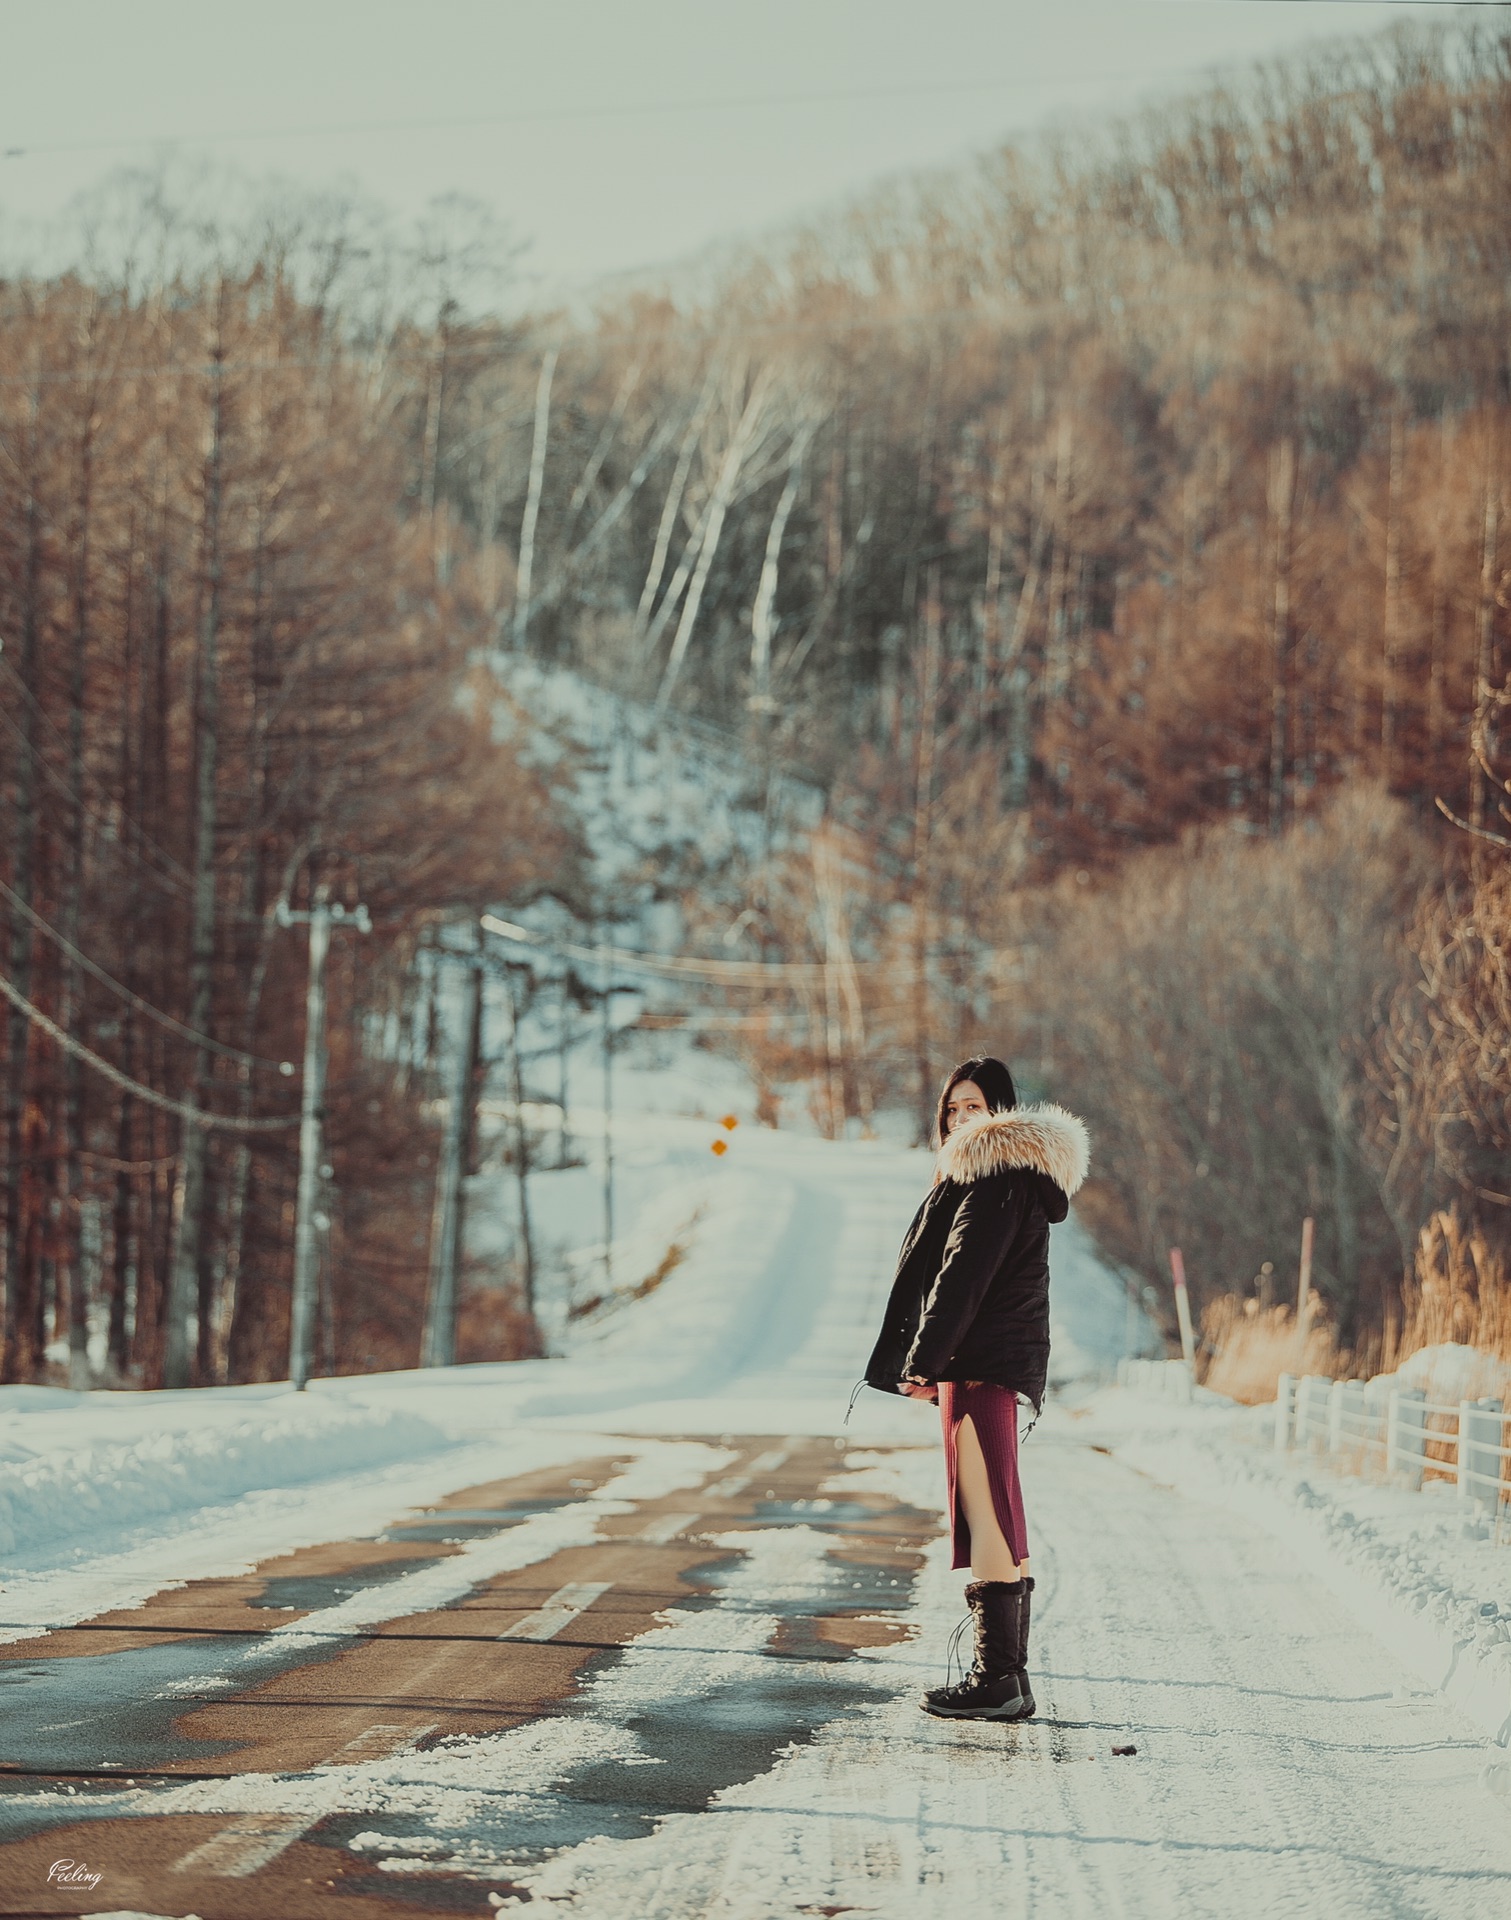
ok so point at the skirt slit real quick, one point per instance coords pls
(993, 1412)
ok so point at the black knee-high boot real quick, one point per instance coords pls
(1020, 1655)
(990, 1690)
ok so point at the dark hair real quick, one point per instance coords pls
(994, 1080)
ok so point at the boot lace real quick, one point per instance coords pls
(954, 1658)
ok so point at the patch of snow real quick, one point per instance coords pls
(659, 1467)
(87, 1463)
(1450, 1373)
(1423, 1571)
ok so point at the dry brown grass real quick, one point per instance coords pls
(1248, 1347)
(1460, 1290)
(1459, 1295)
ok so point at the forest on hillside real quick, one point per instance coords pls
(232, 678)
(1117, 532)
(1114, 532)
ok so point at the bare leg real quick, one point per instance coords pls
(991, 1556)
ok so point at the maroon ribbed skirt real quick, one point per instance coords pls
(994, 1414)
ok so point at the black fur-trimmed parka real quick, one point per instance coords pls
(971, 1296)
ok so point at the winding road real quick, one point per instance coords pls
(674, 1672)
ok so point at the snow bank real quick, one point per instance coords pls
(172, 1455)
(1451, 1373)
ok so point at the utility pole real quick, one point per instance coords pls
(311, 1119)
(563, 1048)
(608, 1123)
(438, 1348)
(522, 1165)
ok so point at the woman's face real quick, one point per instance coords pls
(965, 1102)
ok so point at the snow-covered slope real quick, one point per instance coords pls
(669, 811)
(652, 788)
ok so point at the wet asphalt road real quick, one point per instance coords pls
(133, 1746)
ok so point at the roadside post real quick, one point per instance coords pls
(1183, 1312)
(1304, 1292)
(1479, 1464)
(1285, 1399)
(438, 1342)
(1405, 1435)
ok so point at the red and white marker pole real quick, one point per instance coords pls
(1183, 1309)
(1304, 1293)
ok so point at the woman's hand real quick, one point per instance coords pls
(920, 1389)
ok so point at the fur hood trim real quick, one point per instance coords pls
(1043, 1139)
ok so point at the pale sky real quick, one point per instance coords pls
(609, 135)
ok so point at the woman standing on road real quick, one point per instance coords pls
(967, 1325)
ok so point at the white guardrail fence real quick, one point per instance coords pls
(1374, 1428)
(1160, 1379)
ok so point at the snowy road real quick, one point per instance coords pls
(1283, 1763)
(650, 1646)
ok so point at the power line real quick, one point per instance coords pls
(624, 110)
(689, 103)
(225, 1123)
(106, 1162)
(726, 973)
(126, 993)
